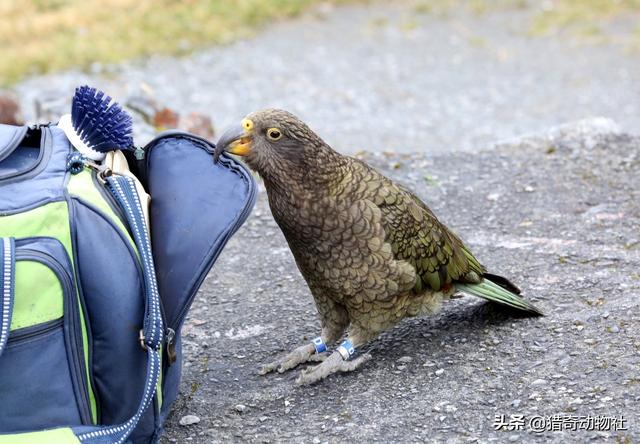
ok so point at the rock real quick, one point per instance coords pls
(198, 124)
(50, 106)
(405, 359)
(188, 420)
(10, 111)
(146, 111)
(240, 408)
(539, 382)
(143, 103)
(165, 118)
(439, 371)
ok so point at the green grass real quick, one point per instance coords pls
(583, 16)
(39, 36)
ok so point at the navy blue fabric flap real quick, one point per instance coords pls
(196, 205)
(10, 138)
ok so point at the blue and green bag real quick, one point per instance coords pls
(91, 304)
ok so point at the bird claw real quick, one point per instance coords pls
(318, 357)
(332, 364)
(296, 357)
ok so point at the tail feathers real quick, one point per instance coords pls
(503, 282)
(496, 293)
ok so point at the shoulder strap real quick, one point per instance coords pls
(7, 279)
(123, 189)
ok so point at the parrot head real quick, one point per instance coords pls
(264, 138)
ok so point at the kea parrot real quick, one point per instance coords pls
(371, 252)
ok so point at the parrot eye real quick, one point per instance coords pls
(274, 134)
(247, 124)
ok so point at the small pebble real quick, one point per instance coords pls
(188, 420)
(439, 371)
(240, 408)
(405, 359)
(539, 382)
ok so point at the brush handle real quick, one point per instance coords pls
(67, 126)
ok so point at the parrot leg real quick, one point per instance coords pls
(334, 320)
(298, 356)
(335, 363)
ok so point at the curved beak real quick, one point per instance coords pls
(235, 140)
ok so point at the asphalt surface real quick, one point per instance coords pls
(557, 213)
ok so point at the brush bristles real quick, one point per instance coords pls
(99, 121)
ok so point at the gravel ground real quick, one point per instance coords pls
(384, 77)
(558, 213)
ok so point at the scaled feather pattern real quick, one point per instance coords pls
(371, 252)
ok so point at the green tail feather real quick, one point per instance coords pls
(495, 293)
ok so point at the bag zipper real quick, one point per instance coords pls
(70, 311)
(26, 333)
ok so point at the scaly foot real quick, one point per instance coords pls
(333, 364)
(298, 356)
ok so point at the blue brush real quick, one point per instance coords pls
(96, 124)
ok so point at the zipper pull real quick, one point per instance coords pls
(171, 346)
(139, 153)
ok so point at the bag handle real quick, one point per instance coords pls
(7, 283)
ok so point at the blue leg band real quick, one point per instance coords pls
(319, 344)
(346, 349)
